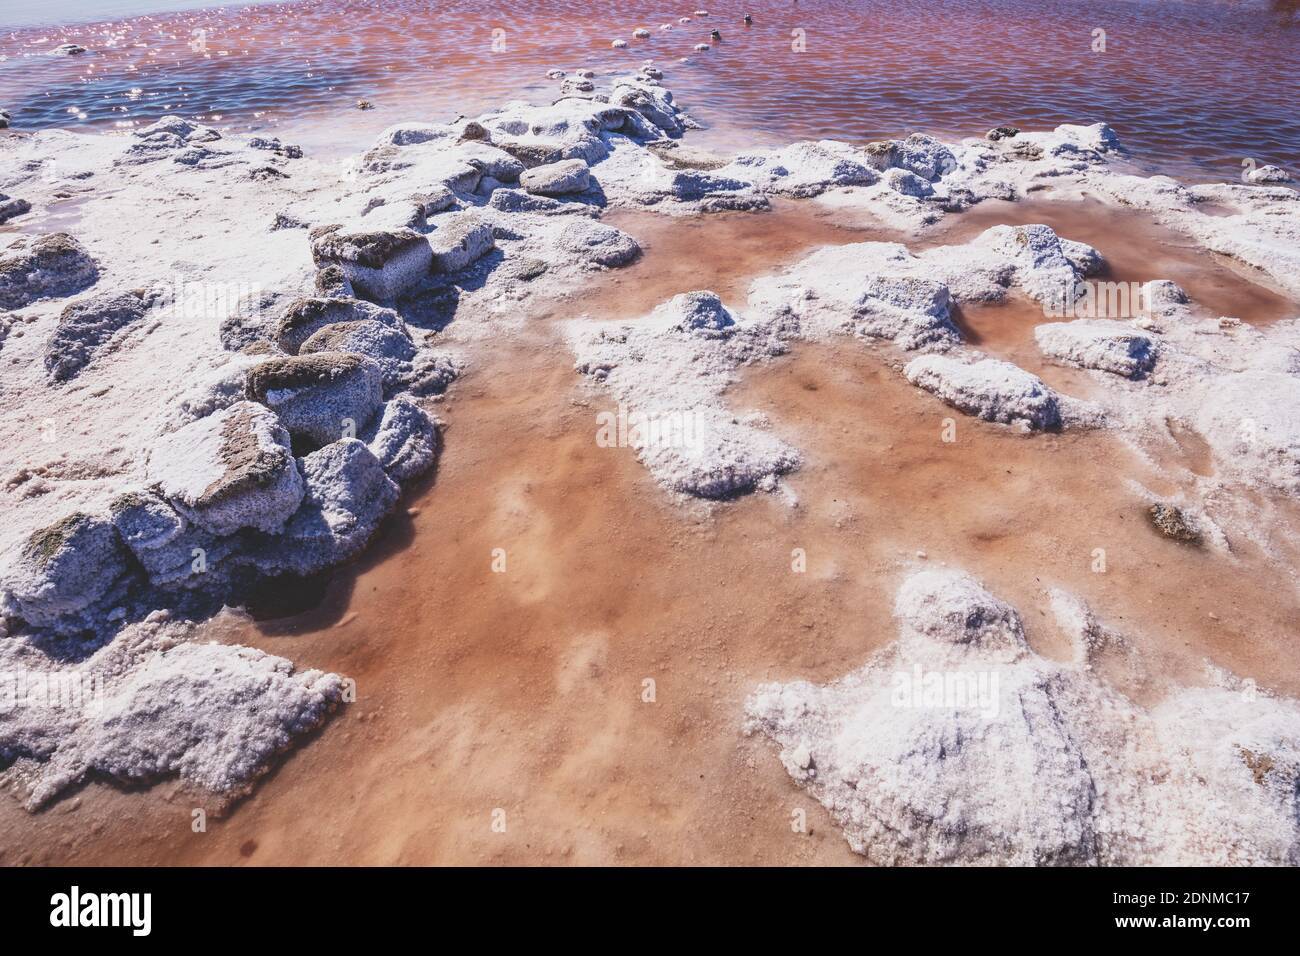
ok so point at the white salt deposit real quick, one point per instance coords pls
(958, 744)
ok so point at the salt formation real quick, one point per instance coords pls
(261, 430)
(676, 363)
(670, 370)
(154, 704)
(958, 744)
(186, 414)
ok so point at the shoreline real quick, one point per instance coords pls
(676, 354)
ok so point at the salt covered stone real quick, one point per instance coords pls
(990, 389)
(460, 240)
(804, 169)
(557, 179)
(321, 396)
(999, 780)
(490, 160)
(87, 326)
(908, 184)
(166, 544)
(1048, 267)
(381, 265)
(11, 207)
(347, 496)
(405, 440)
(51, 266)
(331, 282)
(303, 318)
(718, 457)
(231, 470)
(62, 572)
(1114, 347)
(390, 347)
(598, 244)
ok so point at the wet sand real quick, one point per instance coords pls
(522, 691)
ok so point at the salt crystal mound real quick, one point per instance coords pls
(882, 290)
(1107, 346)
(153, 705)
(990, 389)
(668, 372)
(959, 745)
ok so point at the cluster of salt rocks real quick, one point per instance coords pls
(290, 466)
(958, 744)
(295, 474)
(674, 365)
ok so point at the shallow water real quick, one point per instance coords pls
(1192, 87)
(522, 690)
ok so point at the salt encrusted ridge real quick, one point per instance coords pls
(958, 744)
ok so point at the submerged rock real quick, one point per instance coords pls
(231, 470)
(321, 397)
(86, 327)
(49, 267)
(1173, 522)
(990, 389)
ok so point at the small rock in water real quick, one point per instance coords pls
(365, 105)
(5, 119)
(1173, 522)
(715, 36)
(749, 21)
(555, 74)
(68, 49)
(641, 33)
(619, 44)
(701, 47)
(1001, 132)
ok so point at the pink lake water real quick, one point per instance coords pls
(1193, 87)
